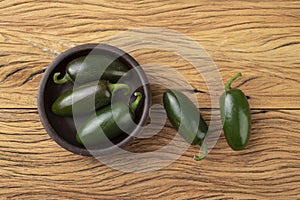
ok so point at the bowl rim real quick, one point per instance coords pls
(84, 47)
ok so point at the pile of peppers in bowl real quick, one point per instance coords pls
(91, 89)
(181, 112)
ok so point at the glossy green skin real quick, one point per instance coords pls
(236, 118)
(83, 98)
(185, 117)
(98, 128)
(89, 68)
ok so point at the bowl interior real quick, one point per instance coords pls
(62, 129)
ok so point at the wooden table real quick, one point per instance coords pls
(259, 38)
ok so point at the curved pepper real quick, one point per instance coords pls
(88, 68)
(81, 97)
(236, 117)
(186, 119)
(105, 123)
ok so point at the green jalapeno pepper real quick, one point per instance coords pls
(88, 69)
(235, 114)
(82, 96)
(105, 123)
(185, 118)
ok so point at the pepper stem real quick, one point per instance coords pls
(228, 85)
(65, 79)
(136, 102)
(78, 139)
(117, 86)
(203, 154)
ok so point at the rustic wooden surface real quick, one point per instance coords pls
(259, 38)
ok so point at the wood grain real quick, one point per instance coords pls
(259, 38)
(35, 167)
(261, 41)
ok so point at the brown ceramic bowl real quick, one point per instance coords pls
(62, 129)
